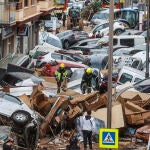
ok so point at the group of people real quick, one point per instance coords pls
(87, 123)
(61, 76)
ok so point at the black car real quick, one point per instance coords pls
(70, 37)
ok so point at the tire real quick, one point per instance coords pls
(118, 32)
(66, 44)
(21, 117)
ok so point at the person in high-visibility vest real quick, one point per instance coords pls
(60, 75)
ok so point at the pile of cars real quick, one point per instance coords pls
(79, 49)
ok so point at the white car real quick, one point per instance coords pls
(42, 60)
(104, 28)
(39, 50)
(50, 40)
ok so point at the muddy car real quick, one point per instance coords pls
(23, 121)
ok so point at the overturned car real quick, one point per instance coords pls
(23, 121)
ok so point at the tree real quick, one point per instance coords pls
(93, 7)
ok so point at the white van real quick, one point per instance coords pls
(129, 74)
(123, 40)
(128, 40)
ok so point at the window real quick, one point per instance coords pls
(54, 42)
(99, 28)
(125, 77)
(83, 44)
(106, 25)
(127, 42)
(25, 3)
(115, 41)
(56, 56)
(39, 53)
(32, 2)
(68, 58)
(12, 99)
(137, 79)
(135, 64)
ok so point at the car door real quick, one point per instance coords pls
(105, 29)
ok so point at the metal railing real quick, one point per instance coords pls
(7, 13)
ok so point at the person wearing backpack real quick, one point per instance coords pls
(88, 126)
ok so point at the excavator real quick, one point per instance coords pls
(74, 19)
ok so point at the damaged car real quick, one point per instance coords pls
(23, 121)
(19, 79)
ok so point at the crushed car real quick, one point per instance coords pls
(24, 122)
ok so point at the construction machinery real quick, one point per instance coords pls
(74, 19)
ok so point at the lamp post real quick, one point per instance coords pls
(110, 62)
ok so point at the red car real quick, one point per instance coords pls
(50, 68)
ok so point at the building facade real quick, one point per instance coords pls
(20, 24)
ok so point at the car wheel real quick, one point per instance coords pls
(21, 117)
(66, 44)
(118, 32)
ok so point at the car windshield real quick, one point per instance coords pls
(12, 99)
(54, 42)
(39, 53)
(143, 85)
(101, 16)
(130, 16)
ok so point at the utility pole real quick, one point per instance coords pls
(148, 38)
(110, 62)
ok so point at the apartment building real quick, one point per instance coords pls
(20, 24)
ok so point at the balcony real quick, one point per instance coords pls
(26, 13)
(46, 5)
(7, 14)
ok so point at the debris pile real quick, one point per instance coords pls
(57, 112)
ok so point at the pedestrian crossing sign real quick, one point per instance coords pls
(108, 138)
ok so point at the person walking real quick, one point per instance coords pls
(63, 18)
(86, 80)
(87, 126)
(60, 76)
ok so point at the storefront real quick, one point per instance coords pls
(27, 37)
(7, 41)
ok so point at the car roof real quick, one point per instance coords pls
(128, 36)
(87, 40)
(107, 11)
(131, 32)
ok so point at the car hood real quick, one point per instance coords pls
(98, 21)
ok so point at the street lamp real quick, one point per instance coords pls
(110, 62)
